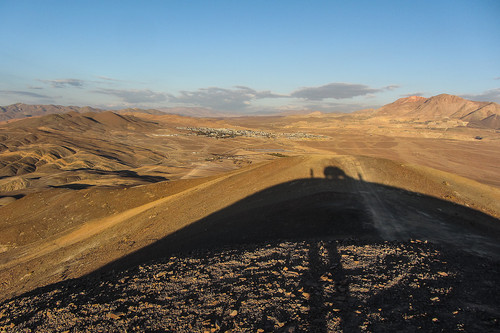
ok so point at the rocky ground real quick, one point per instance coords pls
(292, 286)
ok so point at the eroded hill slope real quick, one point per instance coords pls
(70, 233)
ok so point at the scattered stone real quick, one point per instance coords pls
(114, 316)
(207, 282)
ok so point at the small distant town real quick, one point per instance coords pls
(226, 133)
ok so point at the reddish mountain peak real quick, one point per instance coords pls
(413, 99)
(409, 99)
(438, 107)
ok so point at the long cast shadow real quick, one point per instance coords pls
(73, 186)
(296, 210)
(320, 209)
(123, 174)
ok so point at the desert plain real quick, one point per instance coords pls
(133, 220)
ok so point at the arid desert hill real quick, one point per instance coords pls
(21, 110)
(439, 107)
(327, 198)
(79, 150)
(492, 121)
(108, 223)
(88, 196)
(64, 147)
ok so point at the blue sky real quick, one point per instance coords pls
(247, 56)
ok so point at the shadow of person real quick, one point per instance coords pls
(295, 210)
(335, 173)
(327, 284)
(320, 211)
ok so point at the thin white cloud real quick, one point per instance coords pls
(337, 90)
(221, 98)
(492, 95)
(133, 96)
(64, 83)
(24, 93)
(105, 78)
(339, 107)
(102, 79)
(413, 94)
(243, 98)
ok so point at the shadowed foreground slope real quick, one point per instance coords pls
(299, 286)
(309, 254)
(335, 207)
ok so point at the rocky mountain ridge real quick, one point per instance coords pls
(21, 110)
(441, 107)
(413, 108)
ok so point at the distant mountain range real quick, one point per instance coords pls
(20, 110)
(413, 108)
(441, 107)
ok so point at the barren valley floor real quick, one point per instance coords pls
(299, 223)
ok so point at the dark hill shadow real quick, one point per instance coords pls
(327, 208)
(296, 210)
(16, 196)
(123, 174)
(73, 186)
(317, 212)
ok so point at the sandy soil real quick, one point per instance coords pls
(282, 194)
(61, 151)
(157, 190)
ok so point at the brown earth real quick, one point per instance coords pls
(86, 194)
(301, 286)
